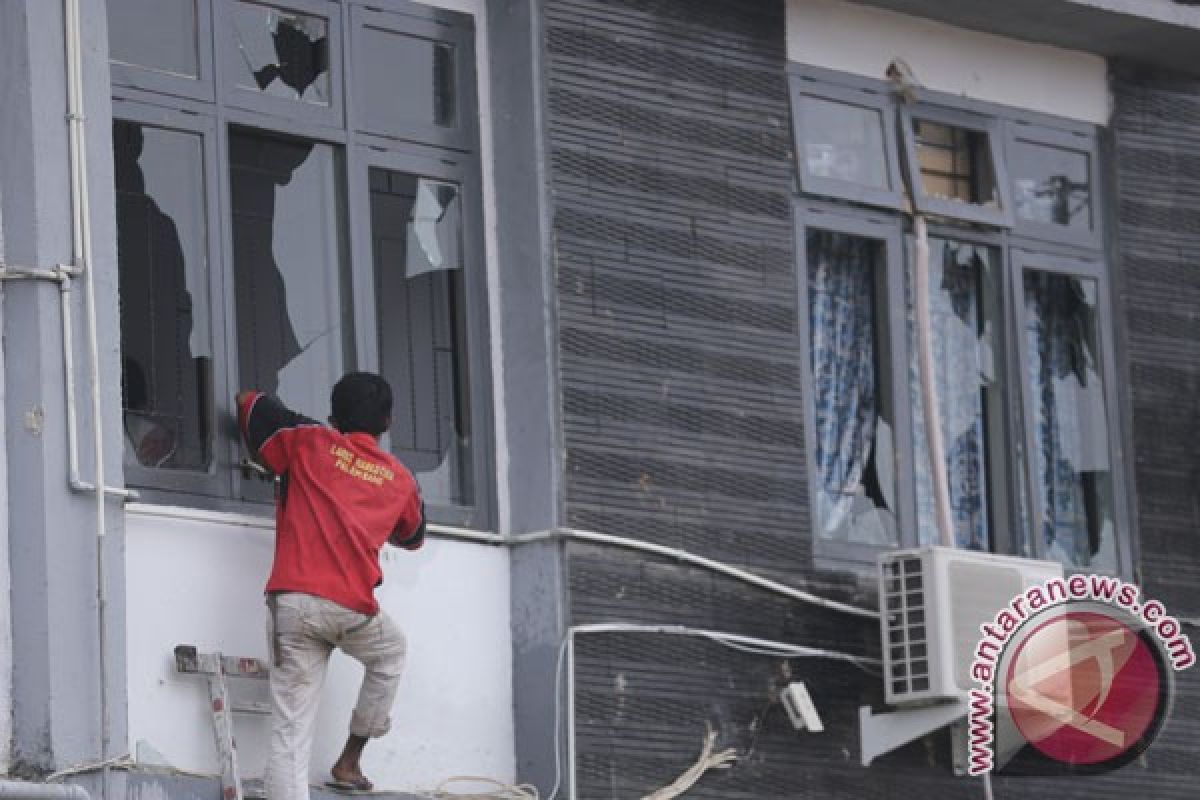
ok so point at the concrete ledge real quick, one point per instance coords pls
(1156, 32)
(165, 784)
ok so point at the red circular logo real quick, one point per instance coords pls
(1085, 689)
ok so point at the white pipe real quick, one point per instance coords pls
(572, 788)
(56, 275)
(62, 275)
(929, 395)
(696, 560)
(83, 259)
(781, 649)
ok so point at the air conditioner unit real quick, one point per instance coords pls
(932, 601)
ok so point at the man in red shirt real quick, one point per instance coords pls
(340, 498)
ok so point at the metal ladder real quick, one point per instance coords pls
(218, 669)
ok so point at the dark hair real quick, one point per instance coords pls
(362, 403)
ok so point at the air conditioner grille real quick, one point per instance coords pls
(904, 604)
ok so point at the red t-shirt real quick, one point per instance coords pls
(341, 497)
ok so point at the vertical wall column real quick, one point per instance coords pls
(529, 468)
(52, 542)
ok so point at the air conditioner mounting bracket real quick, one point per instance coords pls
(880, 734)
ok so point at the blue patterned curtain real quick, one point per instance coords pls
(1070, 464)
(961, 376)
(841, 329)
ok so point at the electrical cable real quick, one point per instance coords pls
(733, 641)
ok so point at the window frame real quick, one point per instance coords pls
(202, 87)
(286, 110)
(188, 481)
(1027, 131)
(364, 157)
(226, 486)
(816, 215)
(806, 83)
(953, 209)
(1003, 483)
(1021, 246)
(246, 485)
(1075, 266)
(434, 25)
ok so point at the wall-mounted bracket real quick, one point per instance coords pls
(880, 734)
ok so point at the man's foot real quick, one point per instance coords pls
(346, 772)
(359, 784)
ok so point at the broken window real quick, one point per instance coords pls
(1021, 349)
(1072, 490)
(280, 52)
(967, 377)
(162, 262)
(955, 166)
(288, 267)
(416, 241)
(241, 265)
(852, 389)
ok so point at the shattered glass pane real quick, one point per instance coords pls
(852, 390)
(155, 34)
(962, 319)
(288, 267)
(1072, 472)
(416, 238)
(843, 142)
(162, 262)
(281, 53)
(1052, 185)
(956, 164)
(404, 81)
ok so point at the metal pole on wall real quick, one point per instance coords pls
(929, 394)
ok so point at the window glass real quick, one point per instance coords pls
(404, 81)
(416, 238)
(956, 164)
(288, 267)
(162, 263)
(280, 52)
(968, 387)
(1072, 472)
(853, 412)
(1052, 185)
(156, 34)
(843, 142)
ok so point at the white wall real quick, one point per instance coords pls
(200, 580)
(852, 38)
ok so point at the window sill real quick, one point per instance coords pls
(267, 523)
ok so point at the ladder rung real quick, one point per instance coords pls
(188, 659)
(250, 707)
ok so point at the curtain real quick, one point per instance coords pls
(1070, 462)
(962, 372)
(845, 384)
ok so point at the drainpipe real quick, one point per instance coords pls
(22, 790)
(83, 260)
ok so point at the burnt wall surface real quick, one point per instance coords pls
(672, 178)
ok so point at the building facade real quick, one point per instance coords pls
(642, 274)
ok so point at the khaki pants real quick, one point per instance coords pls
(302, 631)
